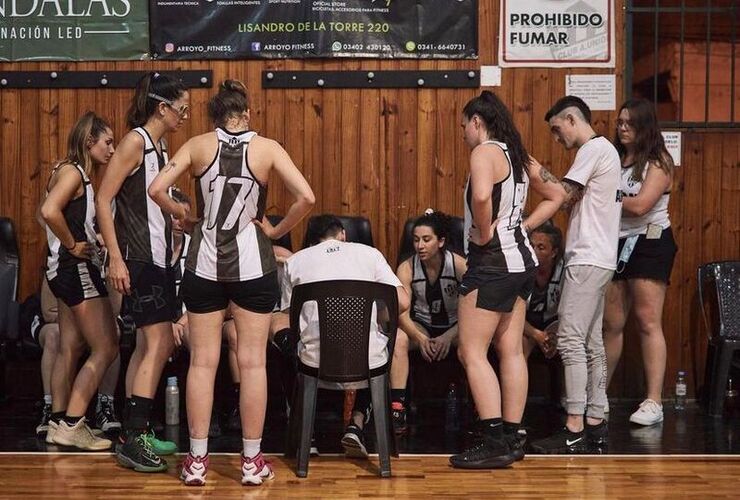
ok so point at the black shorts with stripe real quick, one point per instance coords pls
(497, 290)
(76, 283)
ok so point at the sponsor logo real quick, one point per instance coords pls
(336, 46)
(568, 442)
(256, 46)
(169, 47)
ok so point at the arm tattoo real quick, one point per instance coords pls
(575, 193)
(170, 166)
(546, 176)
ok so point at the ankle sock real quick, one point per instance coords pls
(71, 421)
(510, 428)
(398, 396)
(492, 427)
(139, 410)
(199, 447)
(57, 416)
(251, 447)
(47, 399)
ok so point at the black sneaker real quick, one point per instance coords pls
(136, 453)
(487, 453)
(516, 442)
(597, 436)
(398, 412)
(105, 416)
(43, 426)
(353, 442)
(562, 442)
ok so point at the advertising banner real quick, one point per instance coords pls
(557, 33)
(73, 30)
(247, 29)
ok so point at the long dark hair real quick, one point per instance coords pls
(554, 234)
(144, 105)
(232, 99)
(500, 126)
(649, 144)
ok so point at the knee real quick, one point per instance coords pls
(251, 359)
(648, 323)
(466, 355)
(204, 360)
(51, 338)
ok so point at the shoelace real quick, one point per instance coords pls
(259, 461)
(147, 450)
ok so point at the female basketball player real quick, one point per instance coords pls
(230, 263)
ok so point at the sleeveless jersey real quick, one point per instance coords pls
(509, 250)
(434, 305)
(226, 245)
(79, 214)
(143, 229)
(657, 215)
(542, 308)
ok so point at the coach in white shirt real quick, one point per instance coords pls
(594, 199)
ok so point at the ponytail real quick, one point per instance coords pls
(143, 106)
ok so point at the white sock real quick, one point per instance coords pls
(47, 399)
(199, 447)
(251, 447)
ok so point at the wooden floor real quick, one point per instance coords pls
(36, 476)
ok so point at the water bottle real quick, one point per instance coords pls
(680, 401)
(732, 399)
(172, 402)
(452, 413)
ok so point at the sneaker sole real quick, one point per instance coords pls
(645, 422)
(257, 480)
(163, 452)
(565, 450)
(124, 461)
(63, 442)
(193, 480)
(499, 462)
(353, 448)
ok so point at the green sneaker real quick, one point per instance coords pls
(159, 446)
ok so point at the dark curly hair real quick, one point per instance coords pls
(500, 126)
(440, 223)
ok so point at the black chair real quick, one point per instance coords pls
(284, 241)
(723, 278)
(344, 309)
(356, 228)
(454, 243)
(9, 272)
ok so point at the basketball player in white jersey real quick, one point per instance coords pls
(500, 276)
(140, 251)
(73, 272)
(646, 250)
(431, 277)
(230, 264)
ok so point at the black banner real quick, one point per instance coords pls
(255, 29)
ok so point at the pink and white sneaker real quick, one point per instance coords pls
(194, 470)
(256, 470)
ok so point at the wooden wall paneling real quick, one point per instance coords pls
(295, 136)
(426, 147)
(730, 207)
(351, 142)
(331, 119)
(368, 120)
(448, 133)
(390, 166)
(408, 158)
(13, 169)
(522, 104)
(274, 126)
(691, 256)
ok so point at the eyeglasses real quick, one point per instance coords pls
(624, 124)
(181, 111)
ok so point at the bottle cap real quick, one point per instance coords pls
(171, 381)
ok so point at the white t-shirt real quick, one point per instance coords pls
(593, 229)
(333, 260)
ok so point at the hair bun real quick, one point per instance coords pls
(234, 86)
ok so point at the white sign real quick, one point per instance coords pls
(490, 76)
(673, 145)
(599, 91)
(557, 33)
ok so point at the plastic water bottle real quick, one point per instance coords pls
(452, 410)
(680, 401)
(172, 402)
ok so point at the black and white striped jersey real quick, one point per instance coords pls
(434, 304)
(143, 229)
(227, 245)
(509, 250)
(79, 214)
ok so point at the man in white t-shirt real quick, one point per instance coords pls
(594, 200)
(335, 258)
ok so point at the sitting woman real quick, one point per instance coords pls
(430, 277)
(540, 328)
